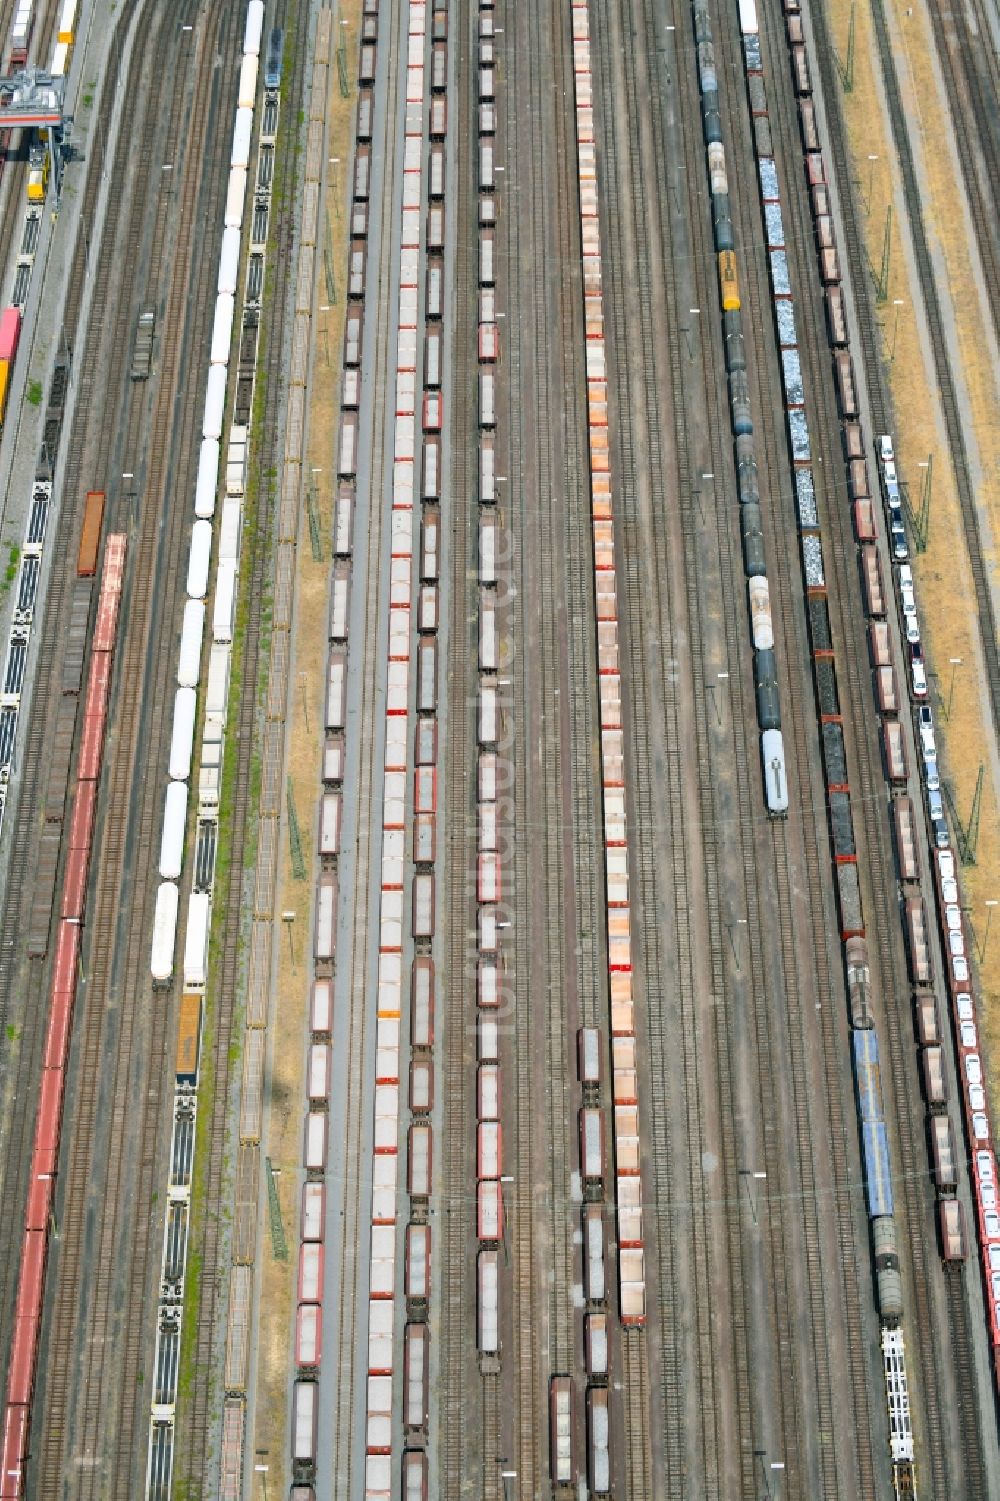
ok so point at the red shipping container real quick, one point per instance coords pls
(40, 1190)
(57, 1037)
(15, 1438)
(98, 682)
(107, 621)
(82, 824)
(114, 564)
(91, 747)
(75, 880)
(67, 954)
(49, 1110)
(22, 1358)
(10, 332)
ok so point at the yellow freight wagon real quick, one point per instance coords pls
(728, 282)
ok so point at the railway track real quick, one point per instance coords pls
(195, 1445)
(542, 470)
(974, 115)
(803, 906)
(881, 899)
(22, 981)
(95, 1415)
(464, 1389)
(639, 430)
(860, 278)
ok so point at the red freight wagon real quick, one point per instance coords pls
(421, 1085)
(308, 1335)
(422, 1003)
(75, 879)
(418, 1262)
(489, 1215)
(489, 1153)
(311, 1272)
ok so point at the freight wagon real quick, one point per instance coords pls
(90, 534)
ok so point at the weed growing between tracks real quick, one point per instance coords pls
(223, 889)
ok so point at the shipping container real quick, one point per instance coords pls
(224, 608)
(188, 1038)
(90, 534)
(196, 940)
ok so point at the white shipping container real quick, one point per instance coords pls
(236, 195)
(231, 529)
(172, 839)
(254, 26)
(218, 680)
(196, 938)
(223, 615)
(192, 630)
(229, 260)
(208, 475)
(215, 402)
(60, 60)
(248, 81)
(242, 131)
(182, 734)
(161, 962)
(67, 17)
(222, 328)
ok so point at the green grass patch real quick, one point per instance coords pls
(33, 395)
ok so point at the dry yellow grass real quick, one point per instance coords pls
(284, 1140)
(943, 574)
